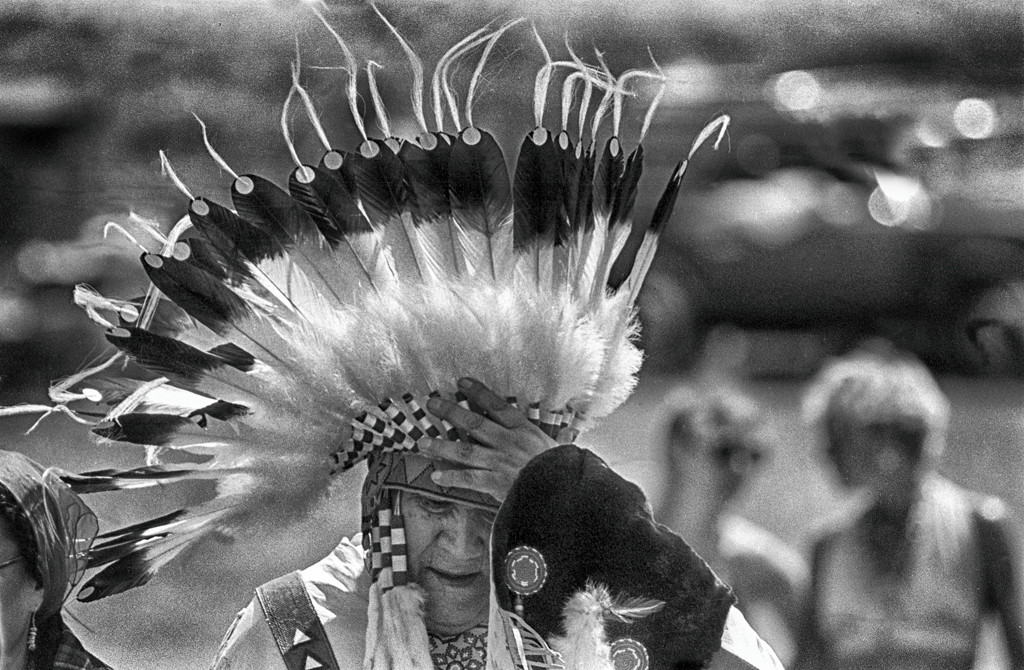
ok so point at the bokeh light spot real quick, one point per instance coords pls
(897, 187)
(887, 211)
(974, 118)
(928, 135)
(797, 91)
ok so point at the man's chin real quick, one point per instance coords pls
(454, 602)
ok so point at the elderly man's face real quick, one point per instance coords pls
(447, 545)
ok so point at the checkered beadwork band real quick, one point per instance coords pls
(387, 555)
(399, 425)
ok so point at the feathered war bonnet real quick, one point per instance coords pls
(300, 332)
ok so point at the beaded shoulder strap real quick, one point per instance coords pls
(293, 622)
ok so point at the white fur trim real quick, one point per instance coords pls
(399, 641)
(372, 625)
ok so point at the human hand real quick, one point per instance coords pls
(507, 442)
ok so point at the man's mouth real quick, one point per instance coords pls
(455, 578)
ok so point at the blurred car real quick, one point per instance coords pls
(849, 203)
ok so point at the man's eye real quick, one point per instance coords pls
(434, 506)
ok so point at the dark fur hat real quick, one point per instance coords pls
(605, 559)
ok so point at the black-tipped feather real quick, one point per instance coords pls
(118, 551)
(213, 261)
(112, 545)
(221, 410)
(216, 306)
(538, 191)
(196, 291)
(330, 199)
(237, 239)
(134, 554)
(210, 259)
(481, 199)
(583, 213)
(101, 481)
(331, 205)
(273, 211)
(635, 260)
(478, 182)
(607, 174)
(138, 428)
(380, 182)
(338, 164)
(571, 164)
(667, 202)
(125, 553)
(380, 178)
(172, 357)
(235, 356)
(625, 192)
(426, 178)
(429, 205)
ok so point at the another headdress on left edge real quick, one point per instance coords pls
(299, 331)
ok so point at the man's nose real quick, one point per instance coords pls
(462, 536)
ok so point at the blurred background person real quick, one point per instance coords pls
(714, 442)
(907, 580)
(45, 534)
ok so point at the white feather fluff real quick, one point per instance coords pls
(423, 337)
(584, 645)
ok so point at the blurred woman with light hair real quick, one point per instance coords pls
(907, 581)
